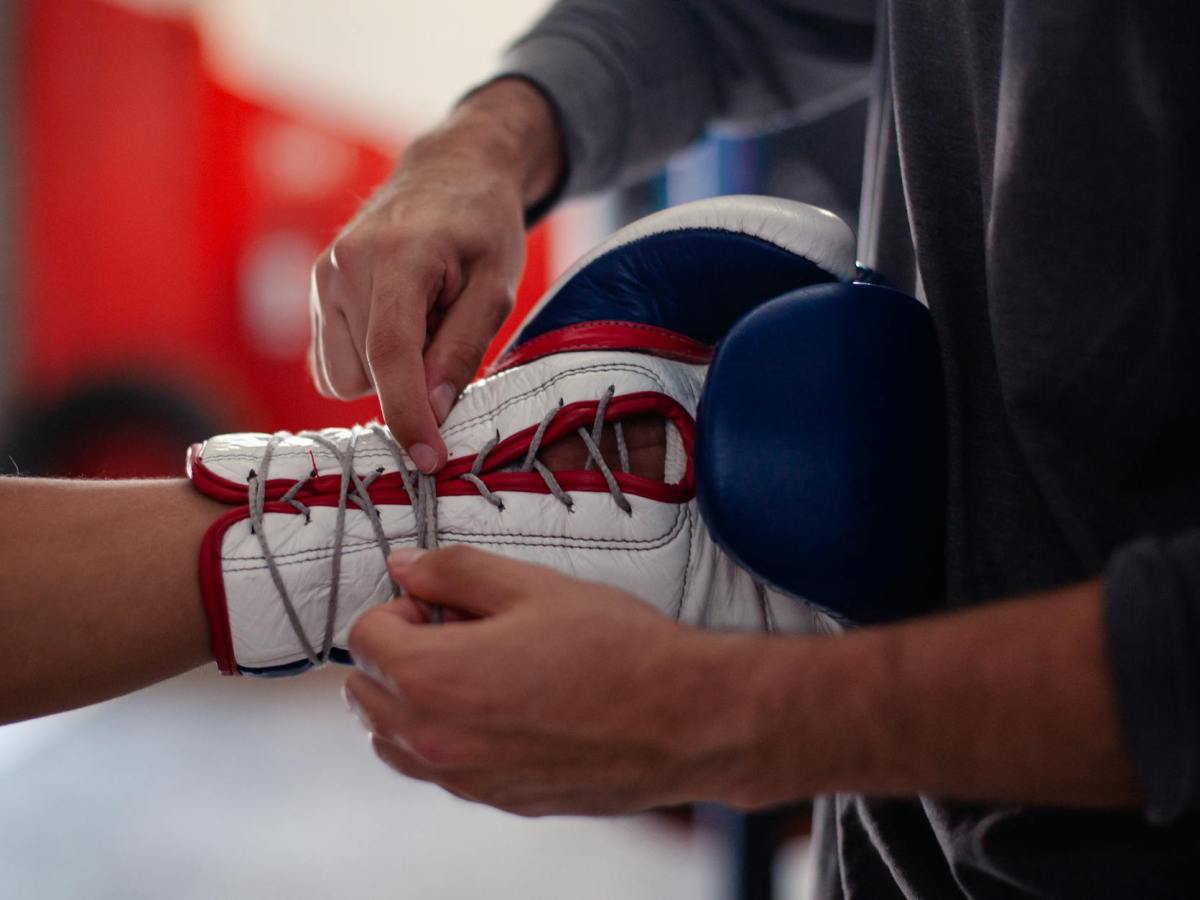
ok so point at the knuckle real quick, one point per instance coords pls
(407, 679)
(417, 682)
(437, 750)
(385, 344)
(505, 300)
(358, 640)
(346, 252)
(502, 306)
(322, 274)
(462, 353)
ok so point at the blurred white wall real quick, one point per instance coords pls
(383, 69)
(386, 67)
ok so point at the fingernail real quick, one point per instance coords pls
(424, 456)
(405, 557)
(441, 398)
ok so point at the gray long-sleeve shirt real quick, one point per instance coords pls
(1047, 153)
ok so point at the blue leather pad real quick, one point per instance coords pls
(821, 450)
(696, 282)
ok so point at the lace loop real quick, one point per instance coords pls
(422, 493)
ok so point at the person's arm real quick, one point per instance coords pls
(100, 594)
(568, 698)
(1007, 703)
(634, 81)
(407, 298)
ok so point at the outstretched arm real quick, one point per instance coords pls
(100, 594)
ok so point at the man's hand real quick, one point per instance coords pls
(569, 697)
(561, 696)
(407, 298)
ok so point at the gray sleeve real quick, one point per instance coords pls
(632, 81)
(1152, 615)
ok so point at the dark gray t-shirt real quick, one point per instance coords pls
(1047, 152)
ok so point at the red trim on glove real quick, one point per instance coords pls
(607, 335)
(212, 590)
(389, 489)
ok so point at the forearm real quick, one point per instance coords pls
(1008, 703)
(635, 81)
(100, 593)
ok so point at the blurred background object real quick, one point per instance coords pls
(169, 169)
(168, 216)
(9, 93)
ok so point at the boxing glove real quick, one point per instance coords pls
(625, 335)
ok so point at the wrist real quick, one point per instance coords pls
(509, 127)
(748, 737)
(810, 719)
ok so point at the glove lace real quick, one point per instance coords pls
(422, 493)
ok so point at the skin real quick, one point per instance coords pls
(124, 611)
(99, 595)
(546, 694)
(522, 707)
(407, 298)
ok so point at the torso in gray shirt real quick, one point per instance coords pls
(1048, 150)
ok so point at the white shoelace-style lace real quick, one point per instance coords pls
(422, 492)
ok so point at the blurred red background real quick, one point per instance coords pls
(168, 228)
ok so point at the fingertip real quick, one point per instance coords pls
(416, 431)
(365, 637)
(403, 557)
(400, 563)
(427, 459)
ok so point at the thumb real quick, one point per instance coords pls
(470, 580)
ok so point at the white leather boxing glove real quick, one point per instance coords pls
(302, 551)
(299, 556)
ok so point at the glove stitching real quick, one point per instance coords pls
(237, 563)
(687, 569)
(631, 368)
(422, 493)
(300, 453)
(538, 540)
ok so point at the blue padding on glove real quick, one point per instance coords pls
(820, 453)
(696, 282)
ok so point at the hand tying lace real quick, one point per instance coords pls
(422, 493)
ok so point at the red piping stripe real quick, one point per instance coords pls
(212, 590)
(607, 335)
(389, 488)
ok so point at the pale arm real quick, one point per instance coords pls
(100, 593)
